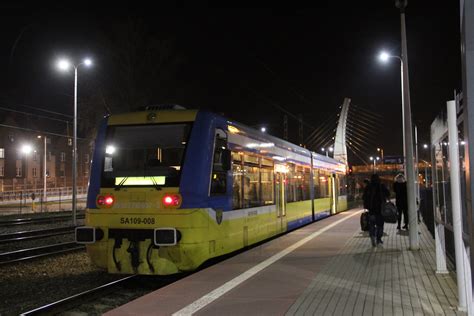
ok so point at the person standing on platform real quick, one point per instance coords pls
(400, 189)
(374, 195)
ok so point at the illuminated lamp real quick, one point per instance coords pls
(171, 200)
(105, 200)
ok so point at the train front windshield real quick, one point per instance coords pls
(144, 155)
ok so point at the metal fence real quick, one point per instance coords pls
(33, 200)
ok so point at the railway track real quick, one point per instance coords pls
(38, 220)
(38, 252)
(78, 299)
(35, 234)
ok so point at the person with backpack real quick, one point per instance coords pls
(375, 194)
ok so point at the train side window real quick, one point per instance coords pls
(316, 184)
(219, 172)
(266, 180)
(306, 184)
(292, 183)
(323, 184)
(251, 186)
(236, 186)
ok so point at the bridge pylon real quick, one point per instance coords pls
(340, 147)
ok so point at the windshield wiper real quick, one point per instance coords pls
(121, 183)
(157, 186)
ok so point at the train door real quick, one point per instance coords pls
(280, 197)
(334, 188)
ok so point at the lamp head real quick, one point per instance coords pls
(384, 56)
(63, 64)
(26, 149)
(87, 62)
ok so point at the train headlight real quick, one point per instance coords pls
(171, 200)
(105, 200)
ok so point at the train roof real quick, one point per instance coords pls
(154, 115)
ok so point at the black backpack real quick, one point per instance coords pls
(364, 221)
(375, 197)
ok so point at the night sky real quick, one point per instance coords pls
(245, 63)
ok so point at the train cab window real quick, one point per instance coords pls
(145, 155)
(219, 169)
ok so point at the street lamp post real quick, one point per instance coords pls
(64, 65)
(380, 150)
(44, 168)
(25, 149)
(327, 150)
(407, 130)
(384, 57)
(410, 170)
(374, 160)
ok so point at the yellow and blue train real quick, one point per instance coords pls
(170, 189)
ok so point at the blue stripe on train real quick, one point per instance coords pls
(306, 220)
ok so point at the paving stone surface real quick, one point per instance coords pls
(386, 280)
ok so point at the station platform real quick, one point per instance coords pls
(326, 268)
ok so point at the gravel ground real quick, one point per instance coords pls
(17, 245)
(25, 286)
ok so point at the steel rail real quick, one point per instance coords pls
(35, 234)
(39, 220)
(32, 253)
(49, 308)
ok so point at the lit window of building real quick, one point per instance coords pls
(18, 172)
(63, 156)
(2, 153)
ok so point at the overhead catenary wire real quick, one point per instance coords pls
(39, 131)
(273, 103)
(35, 115)
(43, 110)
